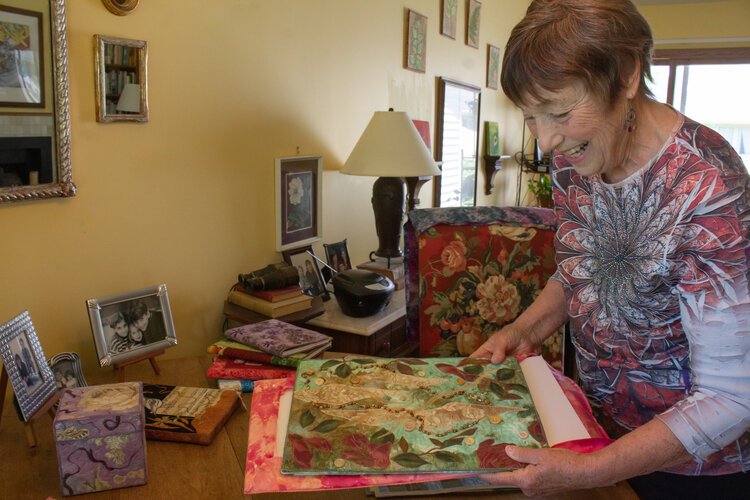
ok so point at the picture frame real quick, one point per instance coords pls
(22, 79)
(415, 52)
(493, 66)
(23, 360)
(473, 19)
(492, 138)
(448, 18)
(66, 368)
(121, 67)
(114, 320)
(337, 255)
(311, 278)
(299, 195)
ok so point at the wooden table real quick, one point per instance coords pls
(179, 471)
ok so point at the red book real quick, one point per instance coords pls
(278, 294)
(230, 368)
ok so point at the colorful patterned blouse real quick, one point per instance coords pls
(655, 269)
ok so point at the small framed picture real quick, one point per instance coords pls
(493, 66)
(492, 138)
(415, 53)
(473, 18)
(299, 184)
(66, 367)
(23, 360)
(22, 64)
(131, 325)
(310, 277)
(448, 15)
(337, 255)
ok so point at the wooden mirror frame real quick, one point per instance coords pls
(54, 38)
(443, 84)
(103, 67)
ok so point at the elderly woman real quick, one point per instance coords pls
(652, 261)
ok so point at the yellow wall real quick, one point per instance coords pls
(187, 198)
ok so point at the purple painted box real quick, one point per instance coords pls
(100, 437)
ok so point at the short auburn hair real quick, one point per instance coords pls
(561, 42)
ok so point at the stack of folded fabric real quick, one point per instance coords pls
(266, 350)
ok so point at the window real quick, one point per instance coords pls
(709, 86)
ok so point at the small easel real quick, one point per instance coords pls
(151, 357)
(28, 425)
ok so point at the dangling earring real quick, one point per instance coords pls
(629, 124)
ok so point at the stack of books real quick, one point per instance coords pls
(265, 350)
(271, 303)
(394, 270)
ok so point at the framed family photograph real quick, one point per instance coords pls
(299, 185)
(21, 58)
(131, 325)
(310, 278)
(25, 364)
(337, 255)
(66, 368)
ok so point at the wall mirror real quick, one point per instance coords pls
(456, 143)
(121, 79)
(34, 109)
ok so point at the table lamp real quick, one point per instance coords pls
(390, 148)
(130, 99)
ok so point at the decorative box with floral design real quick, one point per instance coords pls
(471, 271)
(100, 438)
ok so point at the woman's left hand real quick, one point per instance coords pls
(548, 471)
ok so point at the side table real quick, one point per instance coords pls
(382, 335)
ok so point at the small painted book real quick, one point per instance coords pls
(395, 416)
(231, 349)
(239, 369)
(186, 414)
(278, 337)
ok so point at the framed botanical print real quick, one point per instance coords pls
(473, 18)
(21, 58)
(31, 378)
(415, 54)
(299, 184)
(448, 16)
(493, 66)
(131, 324)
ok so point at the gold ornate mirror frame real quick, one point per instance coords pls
(60, 183)
(121, 7)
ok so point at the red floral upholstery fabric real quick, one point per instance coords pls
(471, 271)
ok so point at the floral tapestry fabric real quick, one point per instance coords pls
(476, 270)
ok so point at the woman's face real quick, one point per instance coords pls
(575, 125)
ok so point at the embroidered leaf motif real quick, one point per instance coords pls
(343, 370)
(306, 418)
(327, 425)
(409, 460)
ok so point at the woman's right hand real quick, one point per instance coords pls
(511, 340)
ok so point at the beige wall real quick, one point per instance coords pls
(187, 198)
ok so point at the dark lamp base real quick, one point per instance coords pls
(388, 199)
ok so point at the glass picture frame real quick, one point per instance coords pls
(311, 278)
(114, 320)
(298, 205)
(23, 360)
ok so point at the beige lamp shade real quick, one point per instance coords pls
(130, 98)
(390, 146)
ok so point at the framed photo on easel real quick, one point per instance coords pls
(24, 362)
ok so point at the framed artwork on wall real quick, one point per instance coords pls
(23, 360)
(415, 57)
(22, 69)
(491, 139)
(310, 278)
(493, 66)
(131, 325)
(299, 184)
(448, 18)
(473, 17)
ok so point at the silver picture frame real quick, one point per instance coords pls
(31, 378)
(66, 368)
(116, 319)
